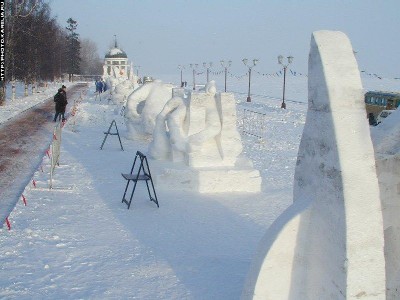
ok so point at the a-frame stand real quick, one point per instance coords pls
(143, 174)
(112, 133)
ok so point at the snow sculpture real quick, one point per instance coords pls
(118, 73)
(387, 154)
(173, 146)
(122, 91)
(111, 83)
(329, 243)
(143, 106)
(200, 131)
(105, 74)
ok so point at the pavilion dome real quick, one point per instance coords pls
(116, 53)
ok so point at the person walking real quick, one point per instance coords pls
(61, 103)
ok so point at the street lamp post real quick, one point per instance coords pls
(280, 61)
(194, 67)
(181, 69)
(245, 60)
(226, 65)
(137, 70)
(207, 66)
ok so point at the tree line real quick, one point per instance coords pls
(38, 48)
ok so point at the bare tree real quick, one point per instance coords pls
(15, 11)
(34, 43)
(91, 64)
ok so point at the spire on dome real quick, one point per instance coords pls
(116, 52)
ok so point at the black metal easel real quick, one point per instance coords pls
(143, 174)
(112, 133)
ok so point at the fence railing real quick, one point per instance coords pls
(74, 109)
(55, 150)
(254, 123)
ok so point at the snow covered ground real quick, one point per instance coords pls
(79, 241)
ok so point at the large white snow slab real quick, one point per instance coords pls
(329, 244)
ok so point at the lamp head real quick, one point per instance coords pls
(244, 60)
(290, 59)
(280, 58)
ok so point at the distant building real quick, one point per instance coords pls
(116, 57)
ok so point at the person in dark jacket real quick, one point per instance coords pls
(61, 103)
(371, 119)
(99, 86)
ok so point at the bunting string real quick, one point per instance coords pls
(377, 76)
(279, 73)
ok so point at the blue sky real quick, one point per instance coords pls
(159, 35)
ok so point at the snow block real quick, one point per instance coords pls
(329, 243)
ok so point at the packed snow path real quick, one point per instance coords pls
(23, 142)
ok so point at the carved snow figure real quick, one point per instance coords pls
(143, 106)
(198, 136)
(171, 145)
(386, 138)
(105, 74)
(111, 83)
(122, 91)
(117, 73)
(200, 131)
(329, 243)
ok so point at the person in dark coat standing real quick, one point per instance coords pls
(100, 86)
(61, 102)
(371, 119)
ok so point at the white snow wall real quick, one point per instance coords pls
(388, 168)
(329, 243)
(386, 140)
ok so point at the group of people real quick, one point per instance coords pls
(101, 86)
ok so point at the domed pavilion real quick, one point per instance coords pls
(118, 58)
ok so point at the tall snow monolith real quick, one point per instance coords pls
(329, 243)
